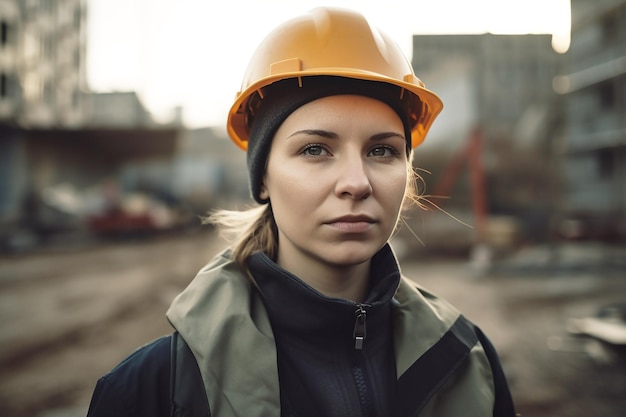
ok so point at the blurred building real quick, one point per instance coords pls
(42, 46)
(9, 49)
(594, 92)
(488, 80)
(76, 162)
(42, 68)
(498, 87)
(209, 170)
(63, 149)
(118, 109)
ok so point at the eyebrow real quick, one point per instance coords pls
(315, 132)
(332, 135)
(385, 135)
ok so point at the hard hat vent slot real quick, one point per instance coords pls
(286, 66)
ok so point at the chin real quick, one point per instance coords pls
(345, 255)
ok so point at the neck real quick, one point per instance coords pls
(337, 281)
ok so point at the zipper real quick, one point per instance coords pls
(362, 387)
(360, 330)
(358, 372)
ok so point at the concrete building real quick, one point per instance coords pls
(489, 80)
(58, 141)
(501, 87)
(209, 171)
(42, 62)
(42, 73)
(9, 51)
(594, 92)
(71, 158)
(119, 109)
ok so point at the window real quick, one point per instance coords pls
(610, 29)
(47, 97)
(3, 86)
(75, 99)
(606, 163)
(606, 94)
(4, 33)
(78, 18)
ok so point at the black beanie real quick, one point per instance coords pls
(282, 98)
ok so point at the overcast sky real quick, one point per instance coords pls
(192, 53)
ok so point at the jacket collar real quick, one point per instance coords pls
(298, 311)
(224, 322)
(226, 327)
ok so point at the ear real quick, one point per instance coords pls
(263, 193)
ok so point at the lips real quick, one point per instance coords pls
(354, 218)
(352, 223)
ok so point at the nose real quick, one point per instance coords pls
(353, 180)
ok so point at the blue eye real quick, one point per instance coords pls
(314, 150)
(384, 151)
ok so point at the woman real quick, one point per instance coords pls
(307, 314)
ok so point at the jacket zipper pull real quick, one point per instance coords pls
(359, 327)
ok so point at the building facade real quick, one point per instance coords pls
(500, 86)
(501, 77)
(594, 91)
(42, 62)
(57, 137)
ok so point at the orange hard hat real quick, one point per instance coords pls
(332, 42)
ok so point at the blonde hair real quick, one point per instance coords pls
(254, 229)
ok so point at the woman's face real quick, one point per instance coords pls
(336, 178)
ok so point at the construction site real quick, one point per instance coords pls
(522, 225)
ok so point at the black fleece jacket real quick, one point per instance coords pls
(321, 369)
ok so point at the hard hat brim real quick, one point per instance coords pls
(238, 130)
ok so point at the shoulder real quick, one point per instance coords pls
(139, 385)
(150, 360)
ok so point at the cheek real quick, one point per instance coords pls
(294, 200)
(292, 186)
(392, 187)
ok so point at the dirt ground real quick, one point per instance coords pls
(68, 315)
